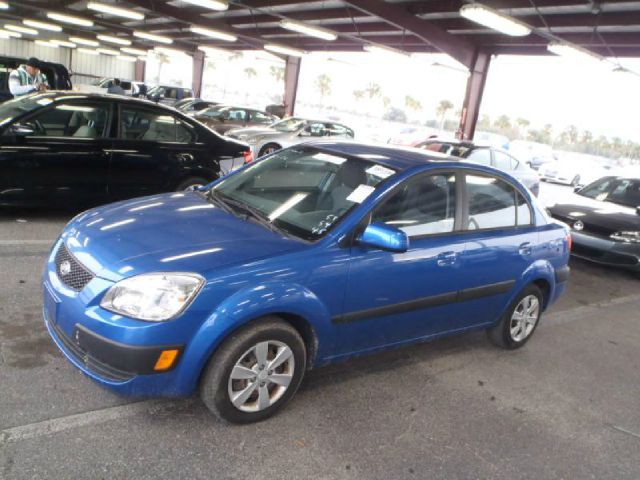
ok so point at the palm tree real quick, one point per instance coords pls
(441, 111)
(250, 73)
(503, 123)
(523, 124)
(412, 104)
(373, 90)
(323, 84)
(277, 73)
(358, 95)
(386, 102)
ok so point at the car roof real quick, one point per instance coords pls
(398, 158)
(72, 95)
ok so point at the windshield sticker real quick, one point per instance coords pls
(361, 193)
(380, 171)
(325, 157)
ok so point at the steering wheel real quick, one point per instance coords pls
(40, 130)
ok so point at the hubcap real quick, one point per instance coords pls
(524, 318)
(193, 187)
(261, 376)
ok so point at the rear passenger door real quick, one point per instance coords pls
(153, 151)
(501, 244)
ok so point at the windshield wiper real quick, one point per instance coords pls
(217, 200)
(252, 212)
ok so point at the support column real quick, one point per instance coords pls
(139, 70)
(198, 71)
(291, 74)
(473, 95)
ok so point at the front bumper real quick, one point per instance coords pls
(606, 251)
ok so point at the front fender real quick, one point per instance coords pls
(248, 304)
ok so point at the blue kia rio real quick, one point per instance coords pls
(314, 254)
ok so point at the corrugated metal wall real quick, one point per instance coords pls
(86, 68)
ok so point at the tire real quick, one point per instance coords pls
(511, 333)
(239, 350)
(191, 183)
(268, 148)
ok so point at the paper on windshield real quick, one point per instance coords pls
(360, 194)
(325, 157)
(380, 171)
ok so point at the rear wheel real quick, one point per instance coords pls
(255, 372)
(519, 321)
(191, 183)
(268, 149)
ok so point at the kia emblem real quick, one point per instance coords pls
(578, 225)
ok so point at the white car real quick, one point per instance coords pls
(572, 171)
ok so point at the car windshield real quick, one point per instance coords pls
(16, 107)
(215, 111)
(623, 191)
(289, 125)
(301, 192)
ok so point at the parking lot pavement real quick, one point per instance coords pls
(564, 406)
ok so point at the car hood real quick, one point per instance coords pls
(602, 217)
(171, 232)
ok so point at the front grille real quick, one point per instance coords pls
(72, 273)
(94, 365)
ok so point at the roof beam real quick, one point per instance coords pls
(460, 49)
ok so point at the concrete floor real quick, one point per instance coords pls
(565, 406)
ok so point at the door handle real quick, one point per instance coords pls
(525, 249)
(446, 258)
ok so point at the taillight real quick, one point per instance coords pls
(248, 156)
(569, 241)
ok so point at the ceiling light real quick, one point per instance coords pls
(18, 28)
(116, 40)
(212, 50)
(4, 6)
(7, 33)
(381, 50)
(294, 52)
(573, 51)
(42, 25)
(152, 37)
(46, 44)
(116, 11)
(207, 32)
(63, 43)
(210, 4)
(108, 51)
(70, 19)
(126, 58)
(84, 41)
(88, 51)
(169, 51)
(142, 59)
(494, 19)
(312, 31)
(134, 51)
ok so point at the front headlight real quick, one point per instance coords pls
(626, 237)
(154, 297)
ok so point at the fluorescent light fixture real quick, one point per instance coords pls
(42, 25)
(8, 33)
(309, 30)
(152, 37)
(573, 51)
(116, 40)
(380, 50)
(88, 51)
(61, 17)
(142, 59)
(207, 32)
(169, 51)
(108, 51)
(217, 5)
(4, 6)
(63, 43)
(45, 44)
(134, 51)
(494, 19)
(212, 50)
(18, 28)
(116, 11)
(294, 52)
(84, 41)
(126, 58)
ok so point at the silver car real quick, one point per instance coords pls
(291, 131)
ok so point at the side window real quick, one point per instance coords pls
(184, 133)
(481, 156)
(142, 124)
(78, 120)
(237, 114)
(524, 210)
(259, 117)
(170, 93)
(336, 130)
(316, 129)
(491, 203)
(424, 205)
(502, 161)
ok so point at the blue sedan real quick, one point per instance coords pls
(314, 254)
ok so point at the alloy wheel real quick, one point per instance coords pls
(524, 318)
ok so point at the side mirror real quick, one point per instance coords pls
(21, 130)
(577, 188)
(384, 237)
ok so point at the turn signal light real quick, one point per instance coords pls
(569, 241)
(248, 156)
(166, 360)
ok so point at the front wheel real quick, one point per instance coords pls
(268, 149)
(191, 183)
(519, 321)
(255, 372)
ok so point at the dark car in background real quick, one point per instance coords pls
(191, 105)
(605, 221)
(107, 83)
(57, 75)
(168, 95)
(489, 156)
(61, 149)
(222, 118)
